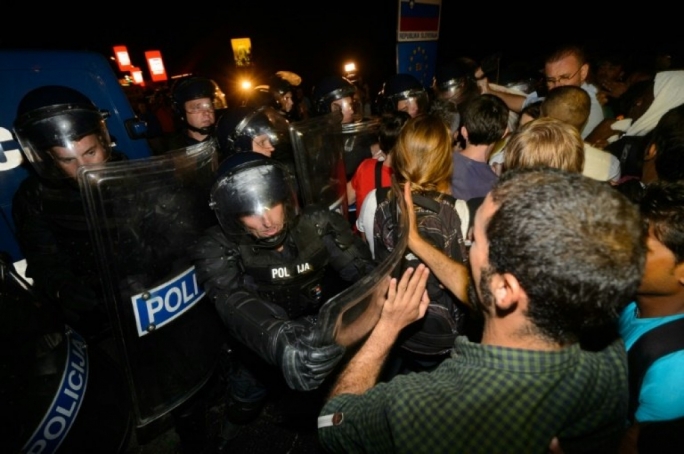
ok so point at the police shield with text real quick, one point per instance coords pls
(144, 214)
(57, 393)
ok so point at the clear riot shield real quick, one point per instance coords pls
(350, 314)
(320, 145)
(143, 215)
(324, 150)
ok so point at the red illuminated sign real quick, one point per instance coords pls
(122, 58)
(156, 65)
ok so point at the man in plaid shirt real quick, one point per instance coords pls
(554, 257)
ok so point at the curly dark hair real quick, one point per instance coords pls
(576, 246)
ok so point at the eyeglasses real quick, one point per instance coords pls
(198, 108)
(562, 79)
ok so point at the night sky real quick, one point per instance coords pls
(317, 42)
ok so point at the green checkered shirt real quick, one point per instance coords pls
(491, 400)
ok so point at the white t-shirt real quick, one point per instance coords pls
(365, 217)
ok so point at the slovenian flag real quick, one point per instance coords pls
(419, 17)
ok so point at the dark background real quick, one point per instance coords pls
(314, 40)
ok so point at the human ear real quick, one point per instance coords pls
(585, 71)
(506, 290)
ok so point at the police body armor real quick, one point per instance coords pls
(61, 204)
(143, 216)
(292, 281)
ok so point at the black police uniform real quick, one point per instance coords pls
(268, 298)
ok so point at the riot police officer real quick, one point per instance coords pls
(195, 101)
(402, 92)
(455, 80)
(277, 93)
(335, 95)
(59, 130)
(282, 97)
(269, 266)
(261, 129)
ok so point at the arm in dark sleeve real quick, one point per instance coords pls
(258, 324)
(287, 344)
(217, 262)
(49, 267)
(349, 255)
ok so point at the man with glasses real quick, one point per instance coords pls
(195, 101)
(566, 65)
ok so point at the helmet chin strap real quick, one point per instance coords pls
(205, 131)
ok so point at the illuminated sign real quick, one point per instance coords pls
(156, 65)
(242, 51)
(137, 75)
(122, 58)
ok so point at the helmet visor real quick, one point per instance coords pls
(268, 122)
(57, 141)
(413, 102)
(255, 199)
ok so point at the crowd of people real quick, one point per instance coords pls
(544, 261)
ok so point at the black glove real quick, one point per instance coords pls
(306, 366)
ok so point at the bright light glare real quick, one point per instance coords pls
(246, 85)
(350, 67)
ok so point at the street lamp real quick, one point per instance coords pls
(350, 71)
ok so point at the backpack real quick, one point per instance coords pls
(440, 221)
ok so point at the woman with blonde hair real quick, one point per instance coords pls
(422, 159)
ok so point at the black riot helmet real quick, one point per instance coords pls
(330, 89)
(195, 87)
(403, 87)
(51, 124)
(251, 185)
(455, 81)
(279, 86)
(237, 127)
